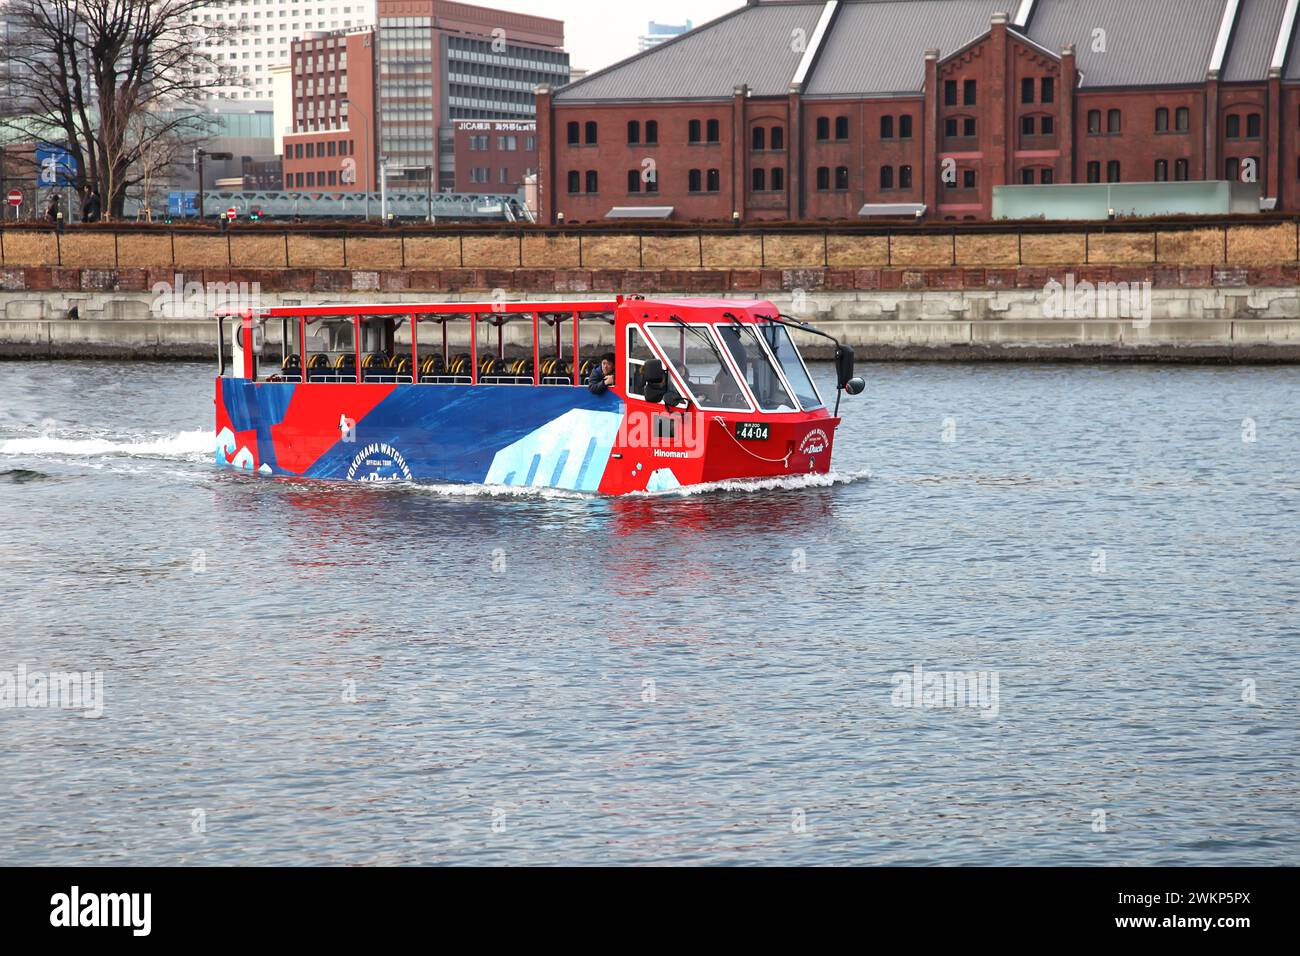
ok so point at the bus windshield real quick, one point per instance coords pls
(752, 360)
(696, 358)
(792, 364)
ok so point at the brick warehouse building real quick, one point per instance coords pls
(789, 110)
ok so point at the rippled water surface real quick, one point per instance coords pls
(320, 674)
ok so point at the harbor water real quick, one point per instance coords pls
(302, 673)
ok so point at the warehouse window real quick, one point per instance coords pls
(634, 180)
(841, 178)
(1254, 126)
(759, 180)
(778, 179)
(1114, 121)
(904, 177)
(778, 137)
(573, 134)
(823, 178)
(591, 132)
(950, 93)
(969, 91)
(651, 133)
(886, 177)
(759, 138)
(1094, 122)
(1049, 90)
(1162, 170)
(1180, 170)
(1113, 172)
(714, 131)
(1162, 120)
(1233, 127)
(1027, 90)
(1094, 172)
(633, 132)
(714, 180)
(823, 128)
(693, 131)
(841, 127)
(886, 127)
(1183, 119)
(905, 127)
(593, 181)
(693, 181)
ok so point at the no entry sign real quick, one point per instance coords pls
(232, 213)
(15, 197)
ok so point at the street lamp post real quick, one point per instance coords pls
(199, 155)
(366, 184)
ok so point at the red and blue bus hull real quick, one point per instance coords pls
(511, 435)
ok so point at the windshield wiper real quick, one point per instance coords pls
(704, 337)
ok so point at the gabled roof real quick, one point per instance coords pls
(1147, 42)
(1253, 41)
(754, 45)
(878, 47)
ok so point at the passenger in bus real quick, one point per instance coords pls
(602, 376)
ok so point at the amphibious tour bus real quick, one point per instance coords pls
(503, 393)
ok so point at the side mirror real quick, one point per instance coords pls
(855, 386)
(673, 398)
(654, 381)
(844, 360)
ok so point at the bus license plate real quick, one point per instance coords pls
(753, 431)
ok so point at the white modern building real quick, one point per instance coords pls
(658, 33)
(265, 30)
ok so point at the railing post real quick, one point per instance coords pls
(537, 351)
(356, 345)
(415, 349)
(473, 348)
(576, 354)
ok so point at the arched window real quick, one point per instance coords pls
(1254, 126)
(778, 179)
(886, 177)
(841, 127)
(759, 138)
(714, 180)
(969, 93)
(778, 137)
(759, 180)
(1114, 122)
(886, 127)
(1234, 127)
(573, 134)
(1180, 170)
(693, 131)
(1183, 119)
(904, 177)
(593, 182)
(651, 132)
(841, 178)
(905, 127)
(634, 180)
(823, 178)
(1094, 122)
(1162, 120)
(714, 130)
(693, 180)
(1232, 170)
(1113, 172)
(591, 132)
(1162, 170)
(823, 128)
(575, 181)
(633, 132)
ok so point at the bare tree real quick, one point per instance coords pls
(81, 72)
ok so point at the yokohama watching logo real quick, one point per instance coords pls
(379, 462)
